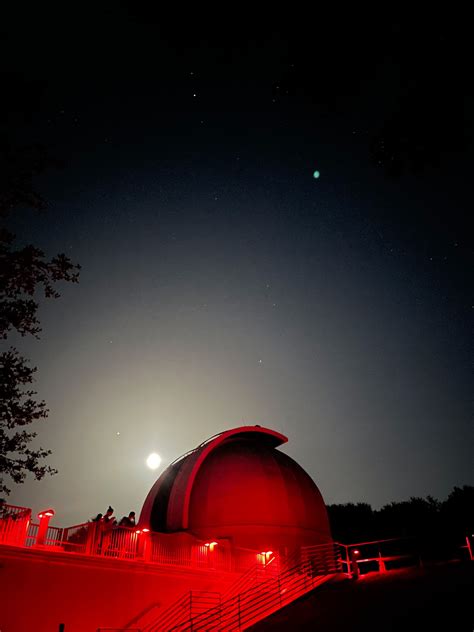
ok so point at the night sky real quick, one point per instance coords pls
(222, 283)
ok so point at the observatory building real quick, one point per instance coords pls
(230, 532)
(238, 486)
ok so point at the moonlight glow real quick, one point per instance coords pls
(153, 461)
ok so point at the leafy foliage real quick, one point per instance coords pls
(431, 522)
(23, 272)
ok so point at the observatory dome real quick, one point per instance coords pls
(238, 486)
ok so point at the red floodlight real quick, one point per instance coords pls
(46, 513)
(264, 556)
(211, 545)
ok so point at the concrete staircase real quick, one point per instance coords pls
(261, 591)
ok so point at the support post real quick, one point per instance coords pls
(147, 545)
(382, 568)
(44, 518)
(355, 573)
(348, 563)
(92, 538)
(468, 545)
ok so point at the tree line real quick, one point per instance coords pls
(436, 525)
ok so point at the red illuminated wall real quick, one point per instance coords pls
(41, 589)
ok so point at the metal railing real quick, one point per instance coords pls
(259, 601)
(97, 540)
(14, 523)
(181, 611)
(53, 536)
(263, 589)
(378, 555)
(267, 582)
(266, 587)
(75, 538)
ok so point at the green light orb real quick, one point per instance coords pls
(316, 174)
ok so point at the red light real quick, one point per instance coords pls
(211, 545)
(145, 531)
(48, 512)
(356, 552)
(138, 531)
(264, 557)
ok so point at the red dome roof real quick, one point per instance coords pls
(238, 486)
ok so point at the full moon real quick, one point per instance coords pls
(153, 461)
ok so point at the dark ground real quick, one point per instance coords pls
(436, 597)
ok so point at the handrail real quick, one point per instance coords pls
(261, 590)
(10, 508)
(166, 617)
(191, 604)
(262, 587)
(124, 543)
(260, 600)
(377, 541)
(14, 524)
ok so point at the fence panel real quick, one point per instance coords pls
(75, 539)
(14, 523)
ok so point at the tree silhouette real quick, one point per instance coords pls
(439, 528)
(24, 271)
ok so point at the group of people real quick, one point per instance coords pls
(108, 521)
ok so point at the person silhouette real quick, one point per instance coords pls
(128, 521)
(107, 523)
(108, 517)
